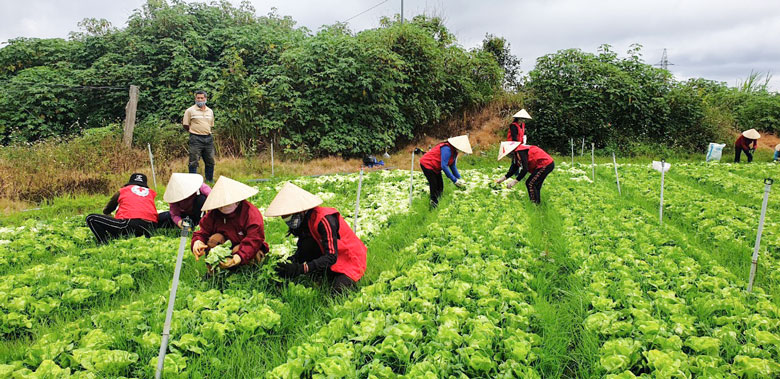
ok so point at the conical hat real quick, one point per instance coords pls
(751, 133)
(777, 148)
(522, 114)
(506, 148)
(181, 186)
(227, 191)
(461, 143)
(291, 199)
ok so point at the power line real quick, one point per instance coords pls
(365, 11)
(67, 86)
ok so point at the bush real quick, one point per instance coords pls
(330, 92)
(612, 100)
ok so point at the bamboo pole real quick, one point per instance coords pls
(185, 232)
(617, 178)
(357, 201)
(767, 186)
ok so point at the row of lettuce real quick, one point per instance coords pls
(658, 304)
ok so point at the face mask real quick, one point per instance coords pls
(228, 209)
(200, 103)
(293, 221)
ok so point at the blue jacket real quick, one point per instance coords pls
(450, 171)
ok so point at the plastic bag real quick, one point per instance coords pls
(657, 166)
(715, 151)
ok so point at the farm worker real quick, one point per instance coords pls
(326, 244)
(742, 144)
(186, 194)
(136, 213)
(777, 153)
(517, 127)
(198, 120)
(532, 159)
(230, 217)
(443, 157)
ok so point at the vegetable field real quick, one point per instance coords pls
(488, 285)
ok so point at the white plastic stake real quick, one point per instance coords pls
(661, 207)
(185, 233)
(582, 150)
(571, 141)
(357, 201)
(411, 181)
(767, 187)
(617, 178)
(593, 160)
(272, 156)
(151, 160)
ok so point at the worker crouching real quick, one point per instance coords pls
(186, 194)
(230, 217)
(326, 244)
(136, 213)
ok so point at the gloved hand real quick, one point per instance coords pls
(499, 180)
(236, 248)
(179, 223)
(460, 183)
(232, 262)
(511, 183)
(216, 239)
(198, 249)
(289, 270)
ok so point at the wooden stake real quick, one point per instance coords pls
(130, 109)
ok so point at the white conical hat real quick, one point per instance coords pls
(751, 133)
(227, 191)
(506, 148)
(461, 143)
(777, 148)
(522, 114)
(291, 199)
(182, 186)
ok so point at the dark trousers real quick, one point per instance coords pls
(164, 219)
(435, 183)
(309, 250)
(535, 181)
(106, 227)
(738, 151)
(202, 146)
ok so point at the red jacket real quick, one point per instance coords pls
(537, 158)
(137, 202)
(351, 253)
(244, 226)
(432, 159)
(520, 132)
(744, 143)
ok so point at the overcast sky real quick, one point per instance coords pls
(714, 39)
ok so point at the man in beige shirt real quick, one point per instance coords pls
(198, 120)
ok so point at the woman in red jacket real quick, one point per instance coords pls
(326, 244)
(136, 213)
(443, 157)
(531, 159)
(231, 218)
(517, 127)
(743, 143)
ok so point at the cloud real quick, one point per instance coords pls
(716, 39)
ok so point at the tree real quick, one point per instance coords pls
(500, 49)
